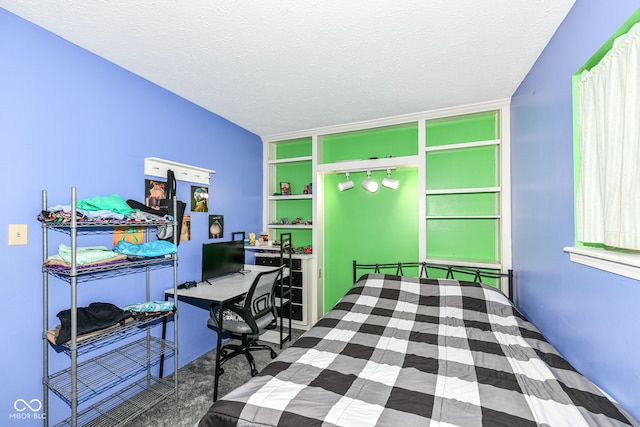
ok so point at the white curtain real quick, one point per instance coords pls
(608, 199)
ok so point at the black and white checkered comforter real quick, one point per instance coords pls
(398, 351)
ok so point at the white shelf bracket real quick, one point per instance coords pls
(158, 167)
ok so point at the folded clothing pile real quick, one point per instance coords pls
(96, 316)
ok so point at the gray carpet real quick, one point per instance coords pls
(195, 388)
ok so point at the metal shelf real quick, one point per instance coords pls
(125, 405)
(84, 274)
(111, 335)
(109, 369)
(100, 227)
(124, 371)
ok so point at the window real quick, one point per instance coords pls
(607, 111)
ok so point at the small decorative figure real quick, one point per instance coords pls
(285, 188)
(264, 238)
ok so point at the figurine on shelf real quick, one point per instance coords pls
(252, 239)
(264, 238)
(307, 189)
(285, 188)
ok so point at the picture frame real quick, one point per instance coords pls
(199, 199)
(155, 192)
(216, 226)
(285, 188)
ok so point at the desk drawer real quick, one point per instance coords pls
(268, 261)
(275, 262)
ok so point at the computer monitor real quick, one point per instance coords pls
(221, 259)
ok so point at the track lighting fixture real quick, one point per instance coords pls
(390, 183)
(370, 185)
(347, 184)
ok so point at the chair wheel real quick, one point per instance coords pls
(274, 354)
(220, 371)
(254, 372)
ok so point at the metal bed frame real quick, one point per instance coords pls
(478, 273)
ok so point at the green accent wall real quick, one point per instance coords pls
(297, 174)
(461, 129)
(294, 148)
(392, 141)
(462, 168)
(463, 204)
(467, 239)
(367, 227)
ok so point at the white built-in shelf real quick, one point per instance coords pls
(463, 217)
(299, 226)
(292, 197)
(290, 160)
(464, 191)
(369, 164)
(463, 145)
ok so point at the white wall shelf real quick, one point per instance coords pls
(463, 217)
(463, 145)
(463, 191)
(154, 166)
(292, 197)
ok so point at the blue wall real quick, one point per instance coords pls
(70, 118)
(591, 316)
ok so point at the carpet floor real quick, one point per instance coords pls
(195, 388)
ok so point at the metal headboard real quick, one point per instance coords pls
(478, 273)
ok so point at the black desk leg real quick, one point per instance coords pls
(219, 344)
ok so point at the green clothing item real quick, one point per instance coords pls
(112, 203)
(84, 255)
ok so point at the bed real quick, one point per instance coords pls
(398, 350)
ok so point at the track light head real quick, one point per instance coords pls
(370, 185)
(345, 185)
(390, 183)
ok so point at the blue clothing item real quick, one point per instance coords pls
(84, 254)
(113, 203)
(150, 307)
(149, 249)
(102, 214)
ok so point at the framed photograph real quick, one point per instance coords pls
(285, 188)
(154, 192)
(216, 226)
(199, 199)
(185, 231)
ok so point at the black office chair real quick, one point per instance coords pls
(247, 319)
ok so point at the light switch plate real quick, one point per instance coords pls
(17, 234)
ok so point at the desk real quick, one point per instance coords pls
(221, 291)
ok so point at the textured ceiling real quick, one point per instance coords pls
(276, 67)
